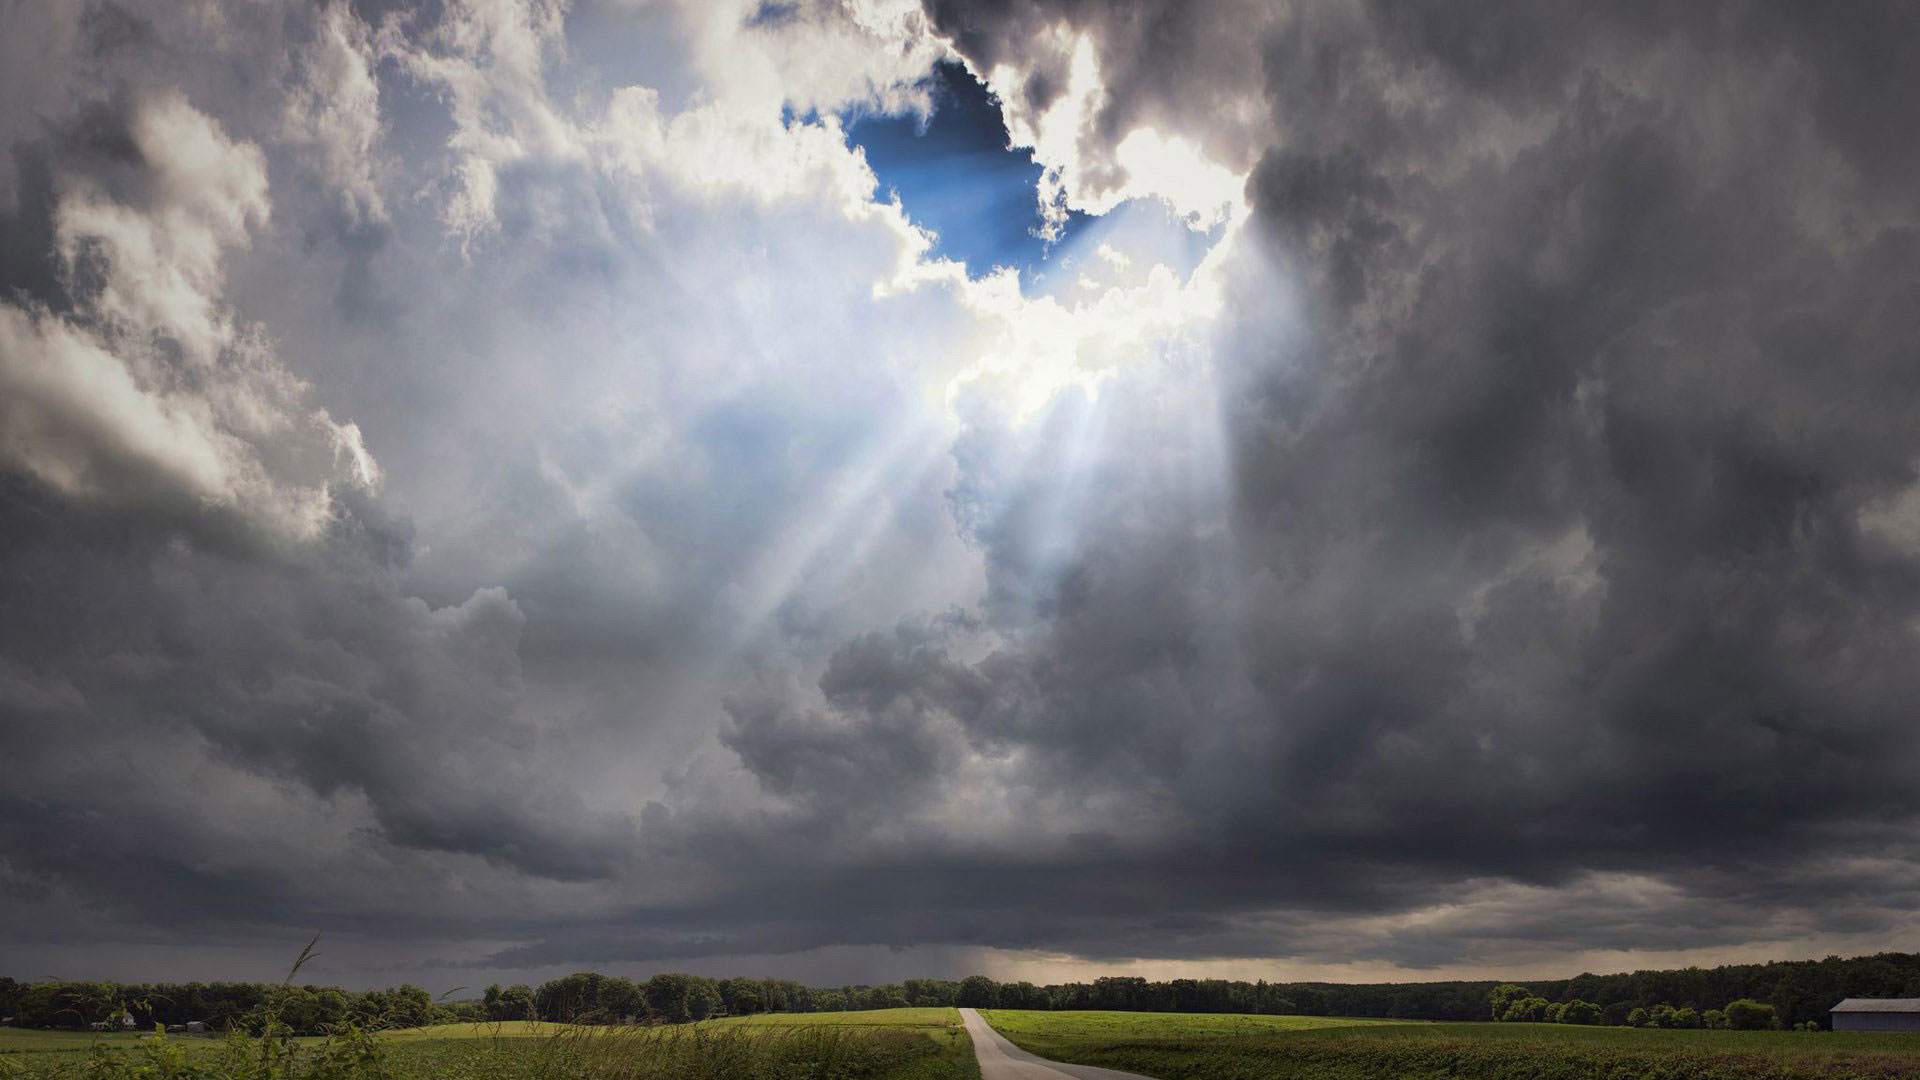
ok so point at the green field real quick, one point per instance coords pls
(33, 1041)
(1192, 1047)
(507, 1029)
(887, 1044)
(29, 1041)
(1073, 1026)
(933, 1019)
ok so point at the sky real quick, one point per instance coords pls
(956, 175)
(849, 491)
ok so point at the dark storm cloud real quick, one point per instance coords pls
(307, 669)
(1534, 532)
(1562, 516)
(164, 630)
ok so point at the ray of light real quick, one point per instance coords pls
(852, 503)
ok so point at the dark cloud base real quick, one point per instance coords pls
(1569, 545)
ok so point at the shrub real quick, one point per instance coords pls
(1530, 1010)
(1580, 1012)
(1750, 1015)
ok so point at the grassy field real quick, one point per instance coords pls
(941, 1026)
(34, 1041)
(931, 1019)
(1191, 1047)
(30, 1041)
(1072, 1027)
(507, 1029)
(890, 1044)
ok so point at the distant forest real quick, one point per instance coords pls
(1799, 990)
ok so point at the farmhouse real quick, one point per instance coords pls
(1877, 1014)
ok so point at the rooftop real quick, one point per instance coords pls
(1883, 1005)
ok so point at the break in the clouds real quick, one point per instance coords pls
(512, 487)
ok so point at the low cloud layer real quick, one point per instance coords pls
(501, 485)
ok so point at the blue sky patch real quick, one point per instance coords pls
(957, 176)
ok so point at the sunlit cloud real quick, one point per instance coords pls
(1423, 491)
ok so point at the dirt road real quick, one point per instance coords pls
(1001, 1060)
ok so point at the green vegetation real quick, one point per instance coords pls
(932, 1018)
(1041, 1032)
(1290, 1048)
(28, 1041)
(1797, 992)
(912, 1044)
(497, 1029)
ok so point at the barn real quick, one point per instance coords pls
(1877, 1014)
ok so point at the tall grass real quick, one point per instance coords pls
(702, 1052)
(1319, 1057)
(694, 1052)
(1200, 1049)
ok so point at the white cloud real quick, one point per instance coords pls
(488, 58)
(75, 416)
(334, 108)
(1093, 170)
(816, 55)
(153, 380)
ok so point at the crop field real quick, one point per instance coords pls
(892, 1044)
(937, 1025)
(505, 1029)
(1192, 1047)
(28, 1041)
(1074, 1026)
(931, 1019)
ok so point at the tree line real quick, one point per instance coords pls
(1795, 992)
(218, 1005)
(1512, 1003)
(1782, 993)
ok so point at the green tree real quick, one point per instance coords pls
(1502, 997)
(1714, 1019)
(619, 1000)
(571, 998)
(743, 998)
(924, 992)
(702, 999)
(410, 1005)
(1580, 1012)
(1527, 1010)
(977, 992)
(1747, 1014)
(666, 997)
(679, 998)
(1638, 1018)
(516, 1003)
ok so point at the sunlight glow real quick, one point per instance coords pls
(851, 509)
(1204, 193)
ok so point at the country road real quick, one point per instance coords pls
(1001, 1060)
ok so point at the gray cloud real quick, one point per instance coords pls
(525, 528)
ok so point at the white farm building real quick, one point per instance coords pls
(1877, 1014)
